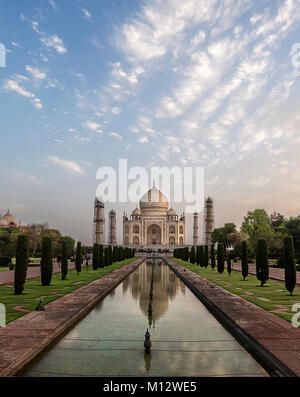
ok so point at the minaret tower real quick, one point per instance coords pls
(112, 240)
(98, 232)
(208, 221)
(195, 229)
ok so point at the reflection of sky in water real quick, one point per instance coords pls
(186, 339)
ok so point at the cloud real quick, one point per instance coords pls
(86, 14)
(93, 126)
(15, 86)
(67, 164)
(143, 139)
(54, 42)
(53, 5)
(116, 110)
(27, 177)
(115, 135)
(36, 73)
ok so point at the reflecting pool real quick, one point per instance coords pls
(186, 339)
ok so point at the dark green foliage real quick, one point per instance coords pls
(78, 261)
(289, 264)
(220, 258)
(100, 256)
(262, 264)
(46, 261)
(95, 256)
(228, 264)
(110, 258)
(192, 255)
(244, 258)
(201, 256)
(212, 257)
(120, 254)
(114, 253)
(106, 257)
(5, 261)
(64, 259)
(205, 256)
(21, 263)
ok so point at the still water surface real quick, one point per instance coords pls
(186, 339)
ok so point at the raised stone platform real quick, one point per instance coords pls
(25, 338)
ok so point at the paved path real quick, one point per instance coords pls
(7, 277)
(23, 339)
(277, 274)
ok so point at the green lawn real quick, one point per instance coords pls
(4, 269)
(33, 290)
(273, 296)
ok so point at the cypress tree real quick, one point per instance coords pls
(220, 258)
(201, 256)
(205, 256)
(198, 255)
(212, 257)
(115, 249)
(78, 257)
(22, 257)
(100, 256)
(110, 259)
(95, 256)
(245, 259)
(192, 255)
(228, 264)
(289, 264)
(46, 260)
(262, 265)
(106, 257)
(64, 260)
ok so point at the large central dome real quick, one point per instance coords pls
(154, 203)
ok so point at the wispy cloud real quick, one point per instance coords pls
(11, 85)
(66, 164)
(86, 14)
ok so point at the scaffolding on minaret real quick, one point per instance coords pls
(98, 222)
(208, 221)
(112, 238)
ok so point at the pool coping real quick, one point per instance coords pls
(26, 338)
(257, 330)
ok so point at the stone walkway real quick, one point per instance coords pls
(276, 274)
(7, 277)
(276, 335)
(23, 339)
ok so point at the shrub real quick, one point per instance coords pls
(46, 261)
(106, 257)
(95, 256)
(110, 259)
(100, 256)
(197, 259)
(21, 264)
(245, 267)
(114, 253)
(289, 264)
(280, 262)
(262, 263)
(228, 264)
(212, 257)
(205, 256)
(78, 261)
(5, 261)
(192, 255)
(220, 258)
(201, 256)
(64, 260)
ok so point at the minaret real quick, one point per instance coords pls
(208, 221)
(98, 222)
(195, 229)
(112, 240)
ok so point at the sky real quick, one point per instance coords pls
(201, 83)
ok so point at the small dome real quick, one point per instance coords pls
(136, 211)
(171, 211)
(3, 222)
(10, 219)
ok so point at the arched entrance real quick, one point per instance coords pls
(153, 235)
